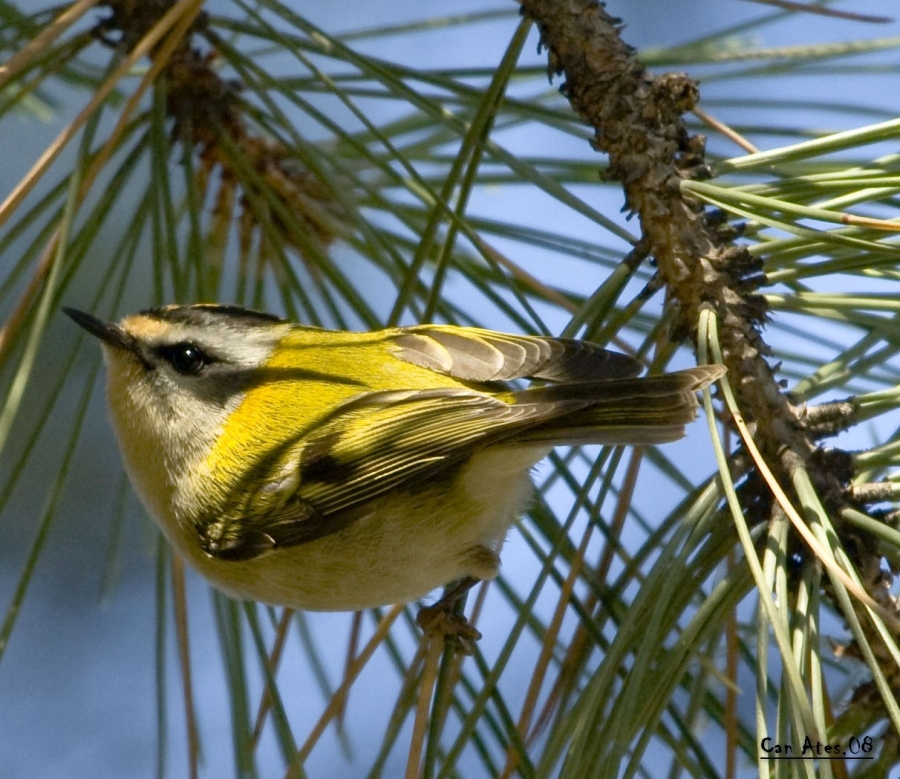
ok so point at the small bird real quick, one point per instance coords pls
(332, 470)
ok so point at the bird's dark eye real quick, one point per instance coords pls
(186, 358)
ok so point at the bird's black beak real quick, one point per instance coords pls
(108, 333)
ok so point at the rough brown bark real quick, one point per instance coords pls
(637, 121)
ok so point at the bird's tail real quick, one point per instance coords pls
(631, 411)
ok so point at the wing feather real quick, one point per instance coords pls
(472, 354)
(380, 442)
(370, 446)
(394, 443)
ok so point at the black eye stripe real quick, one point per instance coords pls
(186, 358)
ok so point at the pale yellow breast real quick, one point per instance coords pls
(410, 544)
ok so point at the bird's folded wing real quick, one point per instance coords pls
(472, 354)
(370, 446)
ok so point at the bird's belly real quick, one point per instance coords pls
(408, 544)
